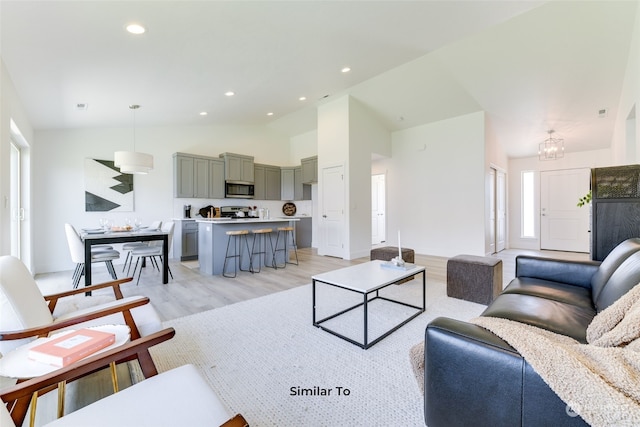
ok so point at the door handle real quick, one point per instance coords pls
(324, 216)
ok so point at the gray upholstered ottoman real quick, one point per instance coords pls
(474, 278)
(388, 252)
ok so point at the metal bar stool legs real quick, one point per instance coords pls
(259, 239)
(237, 236)
(285, 232)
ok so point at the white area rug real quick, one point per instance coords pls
(259, 354)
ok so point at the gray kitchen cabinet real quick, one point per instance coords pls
(185, 240)
(301, 191)
(287, 183)
(273, 187)
(238, 167)
(190, 176)
(309, 170)
(267, 182)
(216, 179)
(298, 187)
(182, 175)
(259, 183)
(304, 232)
(200, 178)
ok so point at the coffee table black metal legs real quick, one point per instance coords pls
(367, 297)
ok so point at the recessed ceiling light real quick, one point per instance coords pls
(346, 69)
(269, 113)
(229, 93)
(302, 98)
(136, 29)
(203, 113)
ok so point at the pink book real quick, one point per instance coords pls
(71, 347)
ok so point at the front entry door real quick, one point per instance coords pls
(563, 225)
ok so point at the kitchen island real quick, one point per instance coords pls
(212, 240)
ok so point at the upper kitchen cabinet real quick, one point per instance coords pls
(200, 178)
(190, 176)
(310, 170)
(238, 167)
(197, 177)
(288, 183)
(216, 179)
(301, 191)
(183, 175)
(267, 182)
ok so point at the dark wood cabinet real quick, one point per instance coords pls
(615, 207)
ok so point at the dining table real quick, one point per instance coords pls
(99, 237)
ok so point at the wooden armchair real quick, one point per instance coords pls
(176, 397)
(26, 314)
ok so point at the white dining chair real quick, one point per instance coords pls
(153, 251)
(76, 249)
(155, 225)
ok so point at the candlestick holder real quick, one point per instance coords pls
(397, 261)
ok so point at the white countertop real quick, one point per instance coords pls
(246, 221)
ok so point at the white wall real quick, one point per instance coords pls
(626, 136)
(435, 187)
(583, 159)
(366, 137)
(303, 146)
(59, 177)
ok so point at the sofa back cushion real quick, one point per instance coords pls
(611, 263)
(621, 281)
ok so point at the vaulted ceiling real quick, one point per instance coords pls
(531, 65)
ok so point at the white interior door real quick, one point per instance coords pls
(563, 225)
(378, 210)
(491, 226)
(501, 210)
(333, 208)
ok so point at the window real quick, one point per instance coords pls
(528, 213)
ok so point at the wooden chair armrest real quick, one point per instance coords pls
(52, 299)
(81, 368)
(237, 421)
(45, 330)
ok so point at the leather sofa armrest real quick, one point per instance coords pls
(577, 273)
(472, 377)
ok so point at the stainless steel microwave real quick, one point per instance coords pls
(239, 190)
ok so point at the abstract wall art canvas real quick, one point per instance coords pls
(106, 188)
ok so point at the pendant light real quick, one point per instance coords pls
(131, 161)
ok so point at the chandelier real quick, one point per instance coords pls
(551, 148)
(131, 161)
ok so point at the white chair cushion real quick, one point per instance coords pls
(179, 397)
(145, 317)
(22, 305)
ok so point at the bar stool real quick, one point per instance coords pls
(286, 232)
(259, 237)
(238, 236)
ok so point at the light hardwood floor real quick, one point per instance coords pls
(191, 292)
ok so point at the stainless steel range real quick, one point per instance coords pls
(238, 212)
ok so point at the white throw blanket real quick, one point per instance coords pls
(600, 380)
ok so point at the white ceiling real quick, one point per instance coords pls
(530, 65)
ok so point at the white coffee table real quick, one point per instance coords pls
(367, 279)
